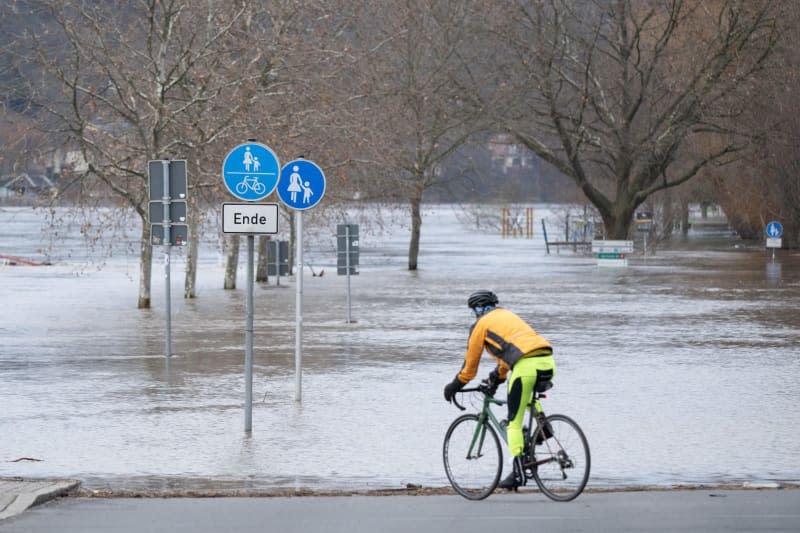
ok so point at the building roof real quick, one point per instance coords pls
(24, 182)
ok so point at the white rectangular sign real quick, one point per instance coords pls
(602, 262)
(774, 242)
(601, 247)
(249, 218)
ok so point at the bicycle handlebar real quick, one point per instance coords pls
(484, 390)
(473, 389)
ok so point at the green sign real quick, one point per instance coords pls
(609, 256)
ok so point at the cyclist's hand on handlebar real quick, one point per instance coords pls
(487, 388)
(452, 388)
(490, 384)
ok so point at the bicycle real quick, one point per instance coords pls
(249, 183)
(556, 453)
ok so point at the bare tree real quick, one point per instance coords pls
(632, 97)
(764, 186)
(142, 81)
(420, 96)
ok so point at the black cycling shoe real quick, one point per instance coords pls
(511, 482)
(514, 479)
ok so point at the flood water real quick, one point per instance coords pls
(682, 368)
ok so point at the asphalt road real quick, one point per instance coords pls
(688, 510)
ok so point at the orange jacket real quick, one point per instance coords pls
(504, 335)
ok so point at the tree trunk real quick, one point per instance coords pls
(416, 223)
(618, 222)
(261, 270)
(190, 282)
(145, 266)
(684, 217)
(231, 261)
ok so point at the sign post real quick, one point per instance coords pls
(250, 172)
(774, 231)
(612, 253)
(347, 255)
(301, 186)
(644, 222)
(278, 260)
(167, 193)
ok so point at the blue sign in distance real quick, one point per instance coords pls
(774, 230)
(251, 171)
(302, 184)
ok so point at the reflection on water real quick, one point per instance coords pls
(681, 369)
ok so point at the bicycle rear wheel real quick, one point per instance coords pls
(561, 461)
(473, 458)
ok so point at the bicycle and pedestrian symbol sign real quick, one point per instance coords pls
(251, 171)
(301, 185)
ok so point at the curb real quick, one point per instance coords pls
(18, 494)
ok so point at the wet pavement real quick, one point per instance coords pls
(17, 494)
(707, 510)
(681, 368)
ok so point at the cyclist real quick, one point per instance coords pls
(517, 348)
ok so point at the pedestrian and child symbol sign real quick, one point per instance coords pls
(301, 185)
(250, 171)
(774, 230)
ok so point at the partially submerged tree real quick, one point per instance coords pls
(156, 79)
(764, 186)
(630, 97)
(422, 98)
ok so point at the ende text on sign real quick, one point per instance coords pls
(250, 218)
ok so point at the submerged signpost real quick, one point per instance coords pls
(774, 231)
(347, 256)
(250, 172)
(278, 260)
(167, 213)
(301, 187)
(612, 253)
(644, 223)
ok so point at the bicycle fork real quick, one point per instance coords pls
(477, 439)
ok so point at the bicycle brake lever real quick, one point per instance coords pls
(458, 404)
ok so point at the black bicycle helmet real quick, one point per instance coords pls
(482, 298)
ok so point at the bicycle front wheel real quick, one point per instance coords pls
(561, 459)
(473, 458)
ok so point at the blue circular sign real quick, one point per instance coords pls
(302, 184)
(251, 171)
(774, 230)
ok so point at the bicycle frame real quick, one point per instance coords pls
(250, 182)
(480, 431)
(486, 414)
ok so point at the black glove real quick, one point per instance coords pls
(491, 383)
(452, 388)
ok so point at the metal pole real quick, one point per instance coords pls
(248, 339)
(165, 200)
(544, 232)
(645, 246)
(298, 369)
(277, 262)
(347, 263)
